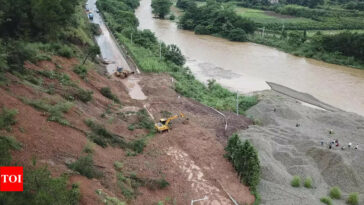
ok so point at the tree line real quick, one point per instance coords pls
(35, 18)
(216, 18)
(244, 158)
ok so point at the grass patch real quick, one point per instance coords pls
(81, 71)
(129, 184)
(326, 200)
(83, 95)
(296, 181)
(335, 193)
(260, 16)
(106, 91)
(308, 183)
(88, 148)
(118, 165)
(138, 145)
(85, 166)
(353, 198)
(55, 111)
(63, 78)
(7, 144)
(41, 188)
(109, 200)
(7, 118)
(154, 184)
(144, 121)
(101, 136)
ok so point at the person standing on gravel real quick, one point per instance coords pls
(349, 145)
(357, 146)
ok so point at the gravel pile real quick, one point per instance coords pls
(289, 143)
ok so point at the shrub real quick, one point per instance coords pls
(106, 91)
(118, 165)
(95, 29)
(103, 137)
(7, 118)
(81, 71)
(85, 166)
(41, 188)
(326, 200)
(7, 144)
(308, 182)
(156, 183)
(65, 51)
(55, 111)
(237, 34)
(144, 120)
(84, 95)
(296, 181)
(353, 199)
(138, 145)
(88, 148)
(335, 193)
(174, 54)
(172, 17)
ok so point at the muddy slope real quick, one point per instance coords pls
(189, 157)
(289, 143)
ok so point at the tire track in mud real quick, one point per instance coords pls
(195, 175)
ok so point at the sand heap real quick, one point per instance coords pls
(289, 144)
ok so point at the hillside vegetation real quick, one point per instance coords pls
(31, 31)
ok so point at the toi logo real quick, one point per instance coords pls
(11, 178)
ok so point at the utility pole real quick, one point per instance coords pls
(131, 38)
(237, 104)
(160, 50)
(263, 31)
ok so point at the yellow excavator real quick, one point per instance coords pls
(122, 73)
(163, 124)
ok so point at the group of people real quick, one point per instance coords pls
(335, 143)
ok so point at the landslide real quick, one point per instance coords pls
(189, 157)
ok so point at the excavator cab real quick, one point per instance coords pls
(163, 121)
(163, 124)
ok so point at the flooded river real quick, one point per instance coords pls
(245, 67)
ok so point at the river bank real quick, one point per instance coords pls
(306, 51)
(246, 67)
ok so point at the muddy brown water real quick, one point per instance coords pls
(245, 67)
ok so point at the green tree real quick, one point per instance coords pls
(92, 52)
(237, 34)
(174, 54)
(161, 7)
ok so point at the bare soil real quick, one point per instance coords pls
(189, 157)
